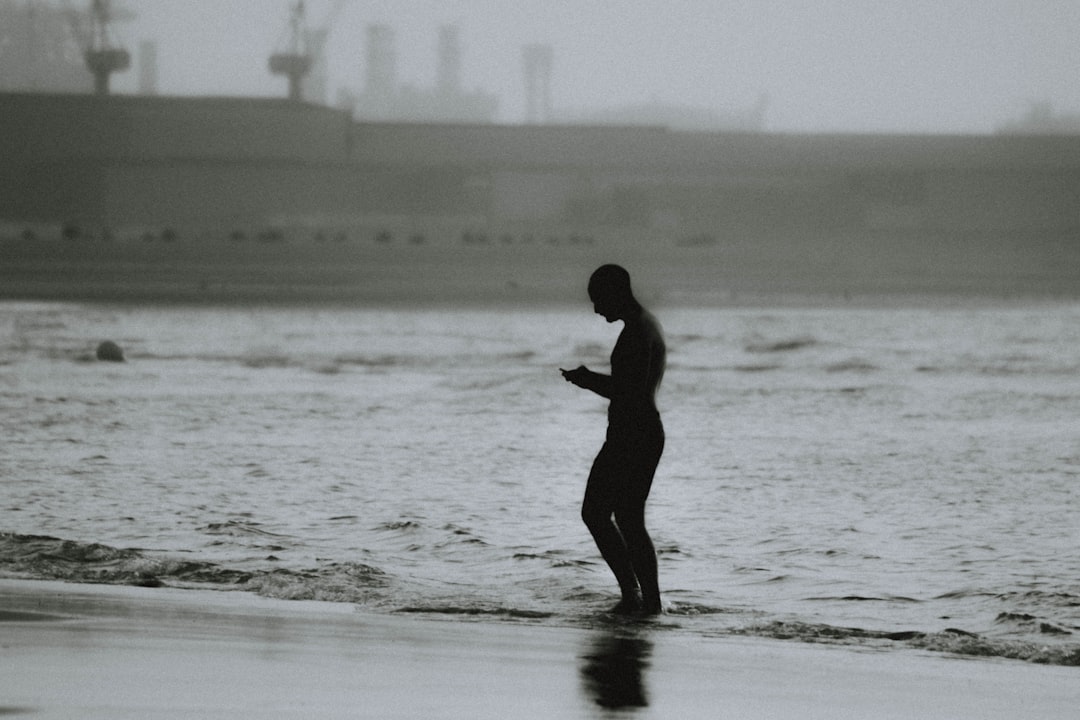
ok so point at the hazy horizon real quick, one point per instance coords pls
(951, 66)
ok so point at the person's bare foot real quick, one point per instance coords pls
(629, 605)
(651, 607)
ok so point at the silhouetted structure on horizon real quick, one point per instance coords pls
(384, 99)
(125, 161)
(1041, 119)
(675, 117)
(538, 61)
(47, 47)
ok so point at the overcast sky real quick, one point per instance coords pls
(950, 66)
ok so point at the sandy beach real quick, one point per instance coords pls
(89, 651)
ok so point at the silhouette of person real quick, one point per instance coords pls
(622, 473)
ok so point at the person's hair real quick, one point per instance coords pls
(613, 278)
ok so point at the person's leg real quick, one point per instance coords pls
(642, 554)
(630, 519)
(596, 511)
(615, 553)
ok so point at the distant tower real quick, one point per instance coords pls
(449, 71)
(380, 86)
(314, 90)
(102, 57)
(148, 68)
(295, 61)
(31, 46)
(538, 61)
(381, 63)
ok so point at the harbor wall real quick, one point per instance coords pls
(143, 162)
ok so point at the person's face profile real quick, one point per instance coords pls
(603, 301)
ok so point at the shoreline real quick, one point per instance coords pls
(776, 271)
(94, 651)
(427, 293)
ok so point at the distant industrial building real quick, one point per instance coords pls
(129, 162)
(1041, 119)
(674, 117)
(38, 51)
(49, 47)
(385, 99)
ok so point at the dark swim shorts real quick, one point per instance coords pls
(623, 469)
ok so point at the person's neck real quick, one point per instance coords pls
(632, 309)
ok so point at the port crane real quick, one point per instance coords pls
(304, 48)
(102, 55)
(295, 61)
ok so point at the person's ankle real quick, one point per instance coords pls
(630, 604)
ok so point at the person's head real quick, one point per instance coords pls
(609, 290)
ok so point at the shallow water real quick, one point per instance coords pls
(895, 476)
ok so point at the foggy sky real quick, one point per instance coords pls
(952, 66)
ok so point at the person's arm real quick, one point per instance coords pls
(585, 378)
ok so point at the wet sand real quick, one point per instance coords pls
(91, 651)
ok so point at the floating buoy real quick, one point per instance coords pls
(109, 351)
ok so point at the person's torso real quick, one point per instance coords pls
(637, 368)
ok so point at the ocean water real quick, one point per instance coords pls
(892, 477)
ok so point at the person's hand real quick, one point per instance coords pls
(577, 376)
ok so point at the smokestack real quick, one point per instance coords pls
(314, 90)
(538, 61)
(449, 78)
(148, 68)
(381, 64)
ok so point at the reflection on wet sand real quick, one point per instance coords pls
(612, 670)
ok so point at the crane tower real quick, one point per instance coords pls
(102, 56)
(295, 62)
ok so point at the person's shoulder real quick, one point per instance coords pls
(651, 325)
(644, 331)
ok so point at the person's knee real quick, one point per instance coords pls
(594, 516)
(631, 521)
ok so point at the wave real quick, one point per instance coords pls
(682, 608)
(866, 598)
(476, 611)
(1022, 604)
(1036, 367)
(328, 364)
(757, 367)
(335, 582)
(273, 359)
(240, 528)
(41, 557)
(853, 365)
(1025, 622)
(953, 641)
(45, 557)
(781, 346)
